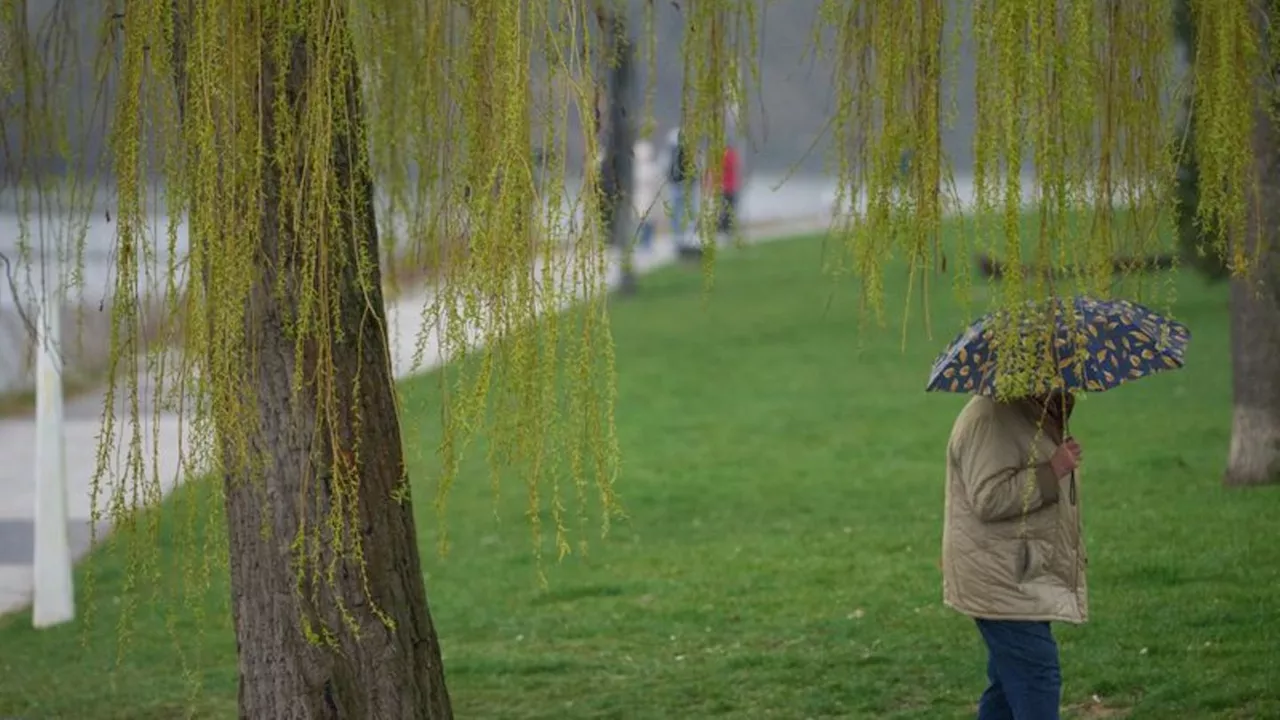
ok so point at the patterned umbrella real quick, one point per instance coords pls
(1098, 344)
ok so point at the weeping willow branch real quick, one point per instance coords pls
(1229, 60)
(1073, 118)
(718, 37)
(13, 295)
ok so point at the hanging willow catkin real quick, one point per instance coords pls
(719, 41)
(1228, 61)
(889, 66)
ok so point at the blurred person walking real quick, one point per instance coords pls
(683, 182)
(730, 182)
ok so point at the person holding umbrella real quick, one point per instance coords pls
(1013, 555)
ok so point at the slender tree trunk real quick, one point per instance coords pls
(1254, 458)
(390, 670)
(617, 178)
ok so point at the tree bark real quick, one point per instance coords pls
(374, 669)
(1254, 458)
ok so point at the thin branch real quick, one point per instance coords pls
(13, 292)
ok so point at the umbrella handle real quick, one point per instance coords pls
(1066, 435)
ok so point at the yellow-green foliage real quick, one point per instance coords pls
(458, 93)
(719, 38)
(1231, 79)
(1074, 113)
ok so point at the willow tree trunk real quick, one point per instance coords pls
(1254, 458)
(391, 670)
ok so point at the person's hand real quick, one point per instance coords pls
(1066, 458)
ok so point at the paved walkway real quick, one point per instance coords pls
(163, 430)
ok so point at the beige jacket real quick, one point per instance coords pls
(1012, 547)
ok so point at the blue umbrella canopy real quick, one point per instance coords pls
(1095, 344)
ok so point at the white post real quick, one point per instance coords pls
(54, 596)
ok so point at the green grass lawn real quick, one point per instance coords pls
(783, 478)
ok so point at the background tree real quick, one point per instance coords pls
(1254, 454)
(616, 178)
(1254, 457)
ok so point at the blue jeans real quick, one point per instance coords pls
(680, 194)
(1022, 666)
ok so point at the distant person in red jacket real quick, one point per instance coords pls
(730, 179)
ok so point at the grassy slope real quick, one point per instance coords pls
(783, 479)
